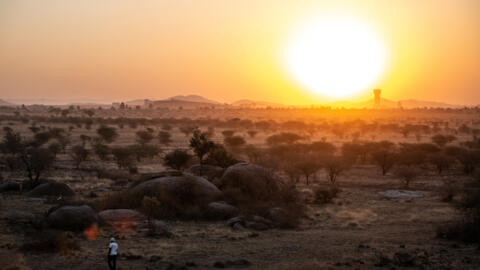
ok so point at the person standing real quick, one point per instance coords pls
(112, 254)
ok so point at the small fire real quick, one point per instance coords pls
(91, 232)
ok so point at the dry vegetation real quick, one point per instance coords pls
(239, 188)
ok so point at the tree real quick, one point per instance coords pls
(283, 138)
(55, 148)
(234, 142)
(84, 139)
(442, 140)
(385, 159)
(200, 145)
(164, 137)
(124, 157)
(144, 137)
(228, 133)
(177, 159)
(108, 134)
(407, 174)
(142, 151)
(37, 160)
(41, 138)
(334, 167)
(79, 154)
(101, 150)
(11, 142)
(219, 156)
(252, 133)
(187, 130)
(440, 161)
(308, 165)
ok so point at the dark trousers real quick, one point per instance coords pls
(112, 262)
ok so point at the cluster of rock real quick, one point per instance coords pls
(168, 187)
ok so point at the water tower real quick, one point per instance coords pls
(376, 94)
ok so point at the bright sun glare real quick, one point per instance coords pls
(336, 56)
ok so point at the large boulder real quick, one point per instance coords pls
(72, 218)
(53, 189)
(210, 172)
(221, 210)
(9, 186)
(183, 189)
(31, 184)
(252, 181)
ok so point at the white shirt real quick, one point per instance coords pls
(113, 248)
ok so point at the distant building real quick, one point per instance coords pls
(377, 99)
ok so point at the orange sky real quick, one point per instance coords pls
(223, 49)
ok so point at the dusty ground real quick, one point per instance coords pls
(361, 230)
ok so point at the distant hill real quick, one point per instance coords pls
(5, 103)
(176, 104)
(194, 98)
(387, 103)
(256, 104)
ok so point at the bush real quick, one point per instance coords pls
(52, 241)
(79, 154)
(108, 134)
(177, 159)
(407, 174)
(325, 195)
(124, 157)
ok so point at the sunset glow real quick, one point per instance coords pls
(336, 56)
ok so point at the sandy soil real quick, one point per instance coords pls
(360, 230)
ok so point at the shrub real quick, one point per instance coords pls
(325, 194)
(108, 134)
(407, 174)
(164, 137)
(52, 241)
(144, 137)
(283, 138)
(466, 229)
(219, 156)
(79, 154)
(124, 157)
(200, 145)
(234, 142)
(37, 161)
(101, 150)
(177, 159)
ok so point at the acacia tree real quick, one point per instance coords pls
(79, 154)
(164, 137)
(37, 160)
(407, 174)
(308, 166)
(177, 159)
(200, 145)
(144, 137)
(108, 134)
(334, 167)
(383, 155)
(440, 161)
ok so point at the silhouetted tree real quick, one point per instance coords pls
(79, 154)
(177, 159)
(108, 134)
(144, 137)
(164, 137)
(200, 145)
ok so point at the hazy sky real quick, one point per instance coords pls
(223, 49)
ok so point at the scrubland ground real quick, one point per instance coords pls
(360, 230)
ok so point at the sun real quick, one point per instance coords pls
(335, 56)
